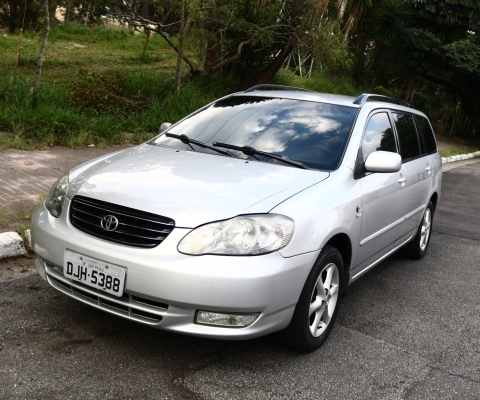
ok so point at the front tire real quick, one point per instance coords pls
(417, 248)
(318, 305)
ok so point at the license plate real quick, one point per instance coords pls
(95, 273)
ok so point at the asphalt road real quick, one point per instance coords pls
(406, 330)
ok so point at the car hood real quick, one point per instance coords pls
(190, 187)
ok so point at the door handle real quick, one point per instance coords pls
(402, 180)
(428, 169)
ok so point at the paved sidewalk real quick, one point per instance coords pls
(25, 175)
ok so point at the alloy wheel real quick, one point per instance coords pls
(324, 299)
(425, 229)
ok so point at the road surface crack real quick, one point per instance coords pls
(455, 372)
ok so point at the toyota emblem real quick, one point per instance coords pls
(109, 223)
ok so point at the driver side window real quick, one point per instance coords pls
(378, 135)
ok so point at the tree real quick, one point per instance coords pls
(444, 39)
(41, 55)
(248, 38)
(12, 13)
(388, 24)
(376, 26)
(434, 41)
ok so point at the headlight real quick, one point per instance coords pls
(56, 196)
(244, 235)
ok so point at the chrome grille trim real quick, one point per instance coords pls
(107, 210)
(135, 228)
(124, 306)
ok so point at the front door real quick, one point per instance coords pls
(383, 206)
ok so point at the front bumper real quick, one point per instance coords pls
(269, 284)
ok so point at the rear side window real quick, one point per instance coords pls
(428, 135)
(378, 135)
(407, 136)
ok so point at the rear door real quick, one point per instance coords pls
(429, 146)
(418, 169)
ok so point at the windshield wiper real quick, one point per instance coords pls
(185, 139)
(250, 151)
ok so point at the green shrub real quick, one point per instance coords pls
(421, 101)
(319, 81)
(382, 91)
(108, 92)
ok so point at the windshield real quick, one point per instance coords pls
(309, 132)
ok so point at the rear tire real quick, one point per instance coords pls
(417, 248)
(318, 305)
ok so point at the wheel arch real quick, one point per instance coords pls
(434, 200)
(342, 242)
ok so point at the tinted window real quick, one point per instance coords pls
(407, 136)
(313, 133)
(378, 135)
(428, 135)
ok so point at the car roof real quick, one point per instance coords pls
(304, 95)
(289, 92)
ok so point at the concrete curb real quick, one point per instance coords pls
(460, 157)
(11, 245)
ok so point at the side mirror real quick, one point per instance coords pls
(164, 126)
(383, 161)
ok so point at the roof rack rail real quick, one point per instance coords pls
(362, 99)
(277, 87)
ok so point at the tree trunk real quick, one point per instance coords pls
(341, 10)
(203, 45)
(41, 55)
(270, 70)
(442, 124)
(12, 17)
(146, 41)
(184, 26)
(213, 56)
(17, 59)
(370, 64)
(67, 12)
(52, 8)
(178, 70)
(411, 79)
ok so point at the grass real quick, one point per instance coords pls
(471, 141)
(24, 232)
(64, 110)
(26, 213)
(55, 119)
(4, 213)
(41, 198)
(319, 82)
(102, 49)
(457, 151)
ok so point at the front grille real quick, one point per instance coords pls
(132, 307)
(135, 228)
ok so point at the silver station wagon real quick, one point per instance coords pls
(250, 216)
